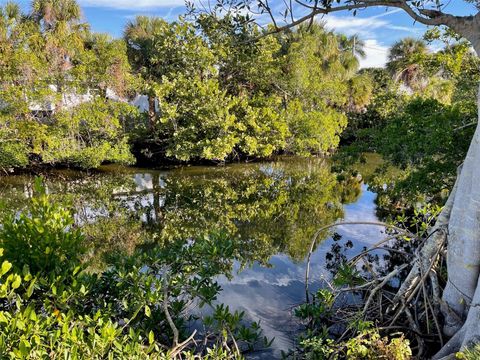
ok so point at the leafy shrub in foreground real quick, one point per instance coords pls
(51, 307)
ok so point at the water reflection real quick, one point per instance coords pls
(271, 211)
(269, 207)
(268, 294)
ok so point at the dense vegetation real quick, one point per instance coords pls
(420, 119)
(66, 92)
(104, 284)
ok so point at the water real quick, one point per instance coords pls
(269, 294)
(272, 209)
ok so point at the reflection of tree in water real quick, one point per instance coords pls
(110, 229)
(268, 208)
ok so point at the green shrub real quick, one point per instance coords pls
(43, 239)
(52, 308)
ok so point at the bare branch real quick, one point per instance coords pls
(167, 313)
(425, 16)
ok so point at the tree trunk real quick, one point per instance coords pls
(156, 190)
(152, 112)
(461, 296)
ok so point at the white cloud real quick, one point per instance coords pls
(365, 26)
(132, 4)
(355, 25)
(362, 26)
(377, 54)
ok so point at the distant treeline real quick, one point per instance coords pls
(212, 89)
(211, 92)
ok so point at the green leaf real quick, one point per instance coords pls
(6, 266)
(17, 280)
(31, 287)
(3, 318)
(24, 348)
(148, 312)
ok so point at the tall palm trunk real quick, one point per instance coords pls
(152, 112)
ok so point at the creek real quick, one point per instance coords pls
(272, 209)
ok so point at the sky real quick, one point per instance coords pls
(378, 27)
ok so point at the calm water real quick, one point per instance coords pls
(272, 209)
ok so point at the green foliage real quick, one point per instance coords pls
(50, 62)
(51, 306)
(368, 344)
(42, 239)
(318, 348)
(469, 354)
(90, 134)
(319, 310)
(347, 275)
(314, 131)
(259, 99)
(406, 61)
(13, 154)
(262, 131)
(158, 49)
(196, 121)
(216, 90)
(317, 71)
(386, 101)
(428, 140)
(424, 131)
(244, 69)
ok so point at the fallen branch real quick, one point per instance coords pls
(385, 280)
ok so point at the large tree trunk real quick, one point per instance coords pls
(461, 296)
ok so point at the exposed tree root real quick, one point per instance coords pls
(429, 252)
(451, 347)
(414, 305)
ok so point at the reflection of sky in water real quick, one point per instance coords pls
(268, 294)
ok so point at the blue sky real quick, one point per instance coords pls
(379, 27)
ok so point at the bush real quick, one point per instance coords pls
(51, 307)
(90, 134)
(43, 239)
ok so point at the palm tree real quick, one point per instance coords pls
(353, 44)
(158, 49)
(10, 16)
(140, 36)
(405, 61)
(52, 13)
(64, 34)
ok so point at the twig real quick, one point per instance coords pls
(323, 228)
(386, 279)
(165, 309)
(179, 347)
